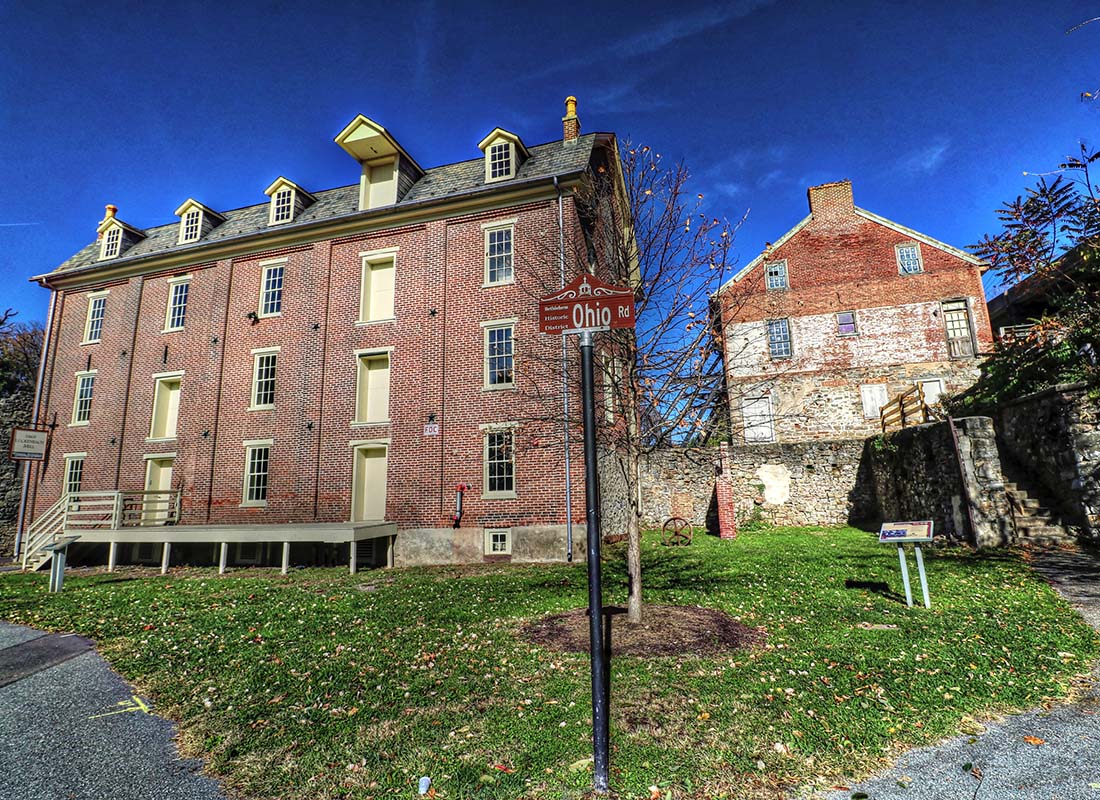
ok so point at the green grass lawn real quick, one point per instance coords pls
(325, 685)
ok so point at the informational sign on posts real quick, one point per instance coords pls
(915, 533)
(586, 304)
(28, 444)
(906, 531)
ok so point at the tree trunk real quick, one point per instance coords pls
(634, 544)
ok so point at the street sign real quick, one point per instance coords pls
(28, 444)
(586, 304)
(892, 532)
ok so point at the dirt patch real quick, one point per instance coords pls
(664, 631)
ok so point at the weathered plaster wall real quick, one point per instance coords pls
(14, 410)
(1055, 436)
(916, 475)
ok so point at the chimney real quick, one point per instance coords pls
(831, 201)
(111, 210)
(570, 123)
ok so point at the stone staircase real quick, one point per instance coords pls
(1036, 523)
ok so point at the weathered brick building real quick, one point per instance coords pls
(323, 366)
(844, 311)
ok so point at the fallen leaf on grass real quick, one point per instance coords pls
(503, 768)
(583, 763)
(1035, 740)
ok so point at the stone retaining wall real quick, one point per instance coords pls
(1055, 436)
(14, 410)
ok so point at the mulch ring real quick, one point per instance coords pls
(664, 631)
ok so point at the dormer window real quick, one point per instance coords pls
(112, 242)
(191, 225)
(500, 161)
(504, 153)
(288, 200)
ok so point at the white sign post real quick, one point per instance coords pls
(916, 533)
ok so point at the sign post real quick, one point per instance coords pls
(585, 306)
(915, 533)
(28, 444)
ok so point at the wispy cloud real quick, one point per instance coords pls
(926, 160)
(18, 224)
(660, 35)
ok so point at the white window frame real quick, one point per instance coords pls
(784, 283)
(765, 422)
(923, 382)
(869, 394)
(486, 431)
(159, 379)
(510, 150)
(488, 229)
(959, 305)
(768, 335)
(487, 327)
(194, 215)
(80, 376)
(507, 534)
(249, 446)
(276, 208)
(111, 244)
(855, 324)
(257, 355)
(94, 299)
(920, 257)
(362, 356)
(373, 259)
(267, 268)
(173, 285)
(70, 459)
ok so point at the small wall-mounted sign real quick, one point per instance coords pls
(431, 429)
(896, 532)
(28, 444)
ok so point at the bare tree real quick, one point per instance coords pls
(20, 351)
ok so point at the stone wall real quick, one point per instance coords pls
(916, 475)
(14, 410)
(1055, 436)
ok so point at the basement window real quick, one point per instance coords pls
(498, 541)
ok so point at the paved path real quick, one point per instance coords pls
(72, 729)
(1006, 767)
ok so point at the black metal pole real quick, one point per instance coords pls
(595, 592)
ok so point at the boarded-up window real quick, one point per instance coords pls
(758, 419)
(874, 397)
(932, 391)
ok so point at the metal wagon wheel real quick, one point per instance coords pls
(675, 532)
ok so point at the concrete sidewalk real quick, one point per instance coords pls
(1000, 764)
(72, 729)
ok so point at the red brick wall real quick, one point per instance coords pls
(435, 368)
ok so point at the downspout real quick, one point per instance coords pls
(34, 422)
(565, 387)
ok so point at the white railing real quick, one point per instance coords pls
(82, 511)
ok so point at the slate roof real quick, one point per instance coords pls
(546, 160)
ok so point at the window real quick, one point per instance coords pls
(263, 378)
(176, 313)
(372, 395)
(956, 320)
(82, 402)
(909, 260)
(257, 464)
(500, 161)
(873, 397)
(112, 243)
(498, 541)
(74, 472)
(376, 292)
(846, 323)
(756, 413)
(779, 338)
(933, 390)
(271, 291)
(190, 226)
(776, 275)
(499, 456)
(498, 255)
(499, 354)
(282, 206)
(166, 406)
(93, 326)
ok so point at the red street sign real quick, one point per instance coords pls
(586, 304)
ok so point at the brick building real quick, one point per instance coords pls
(844, 311)
(322, 367)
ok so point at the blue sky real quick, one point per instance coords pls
(934, 110)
